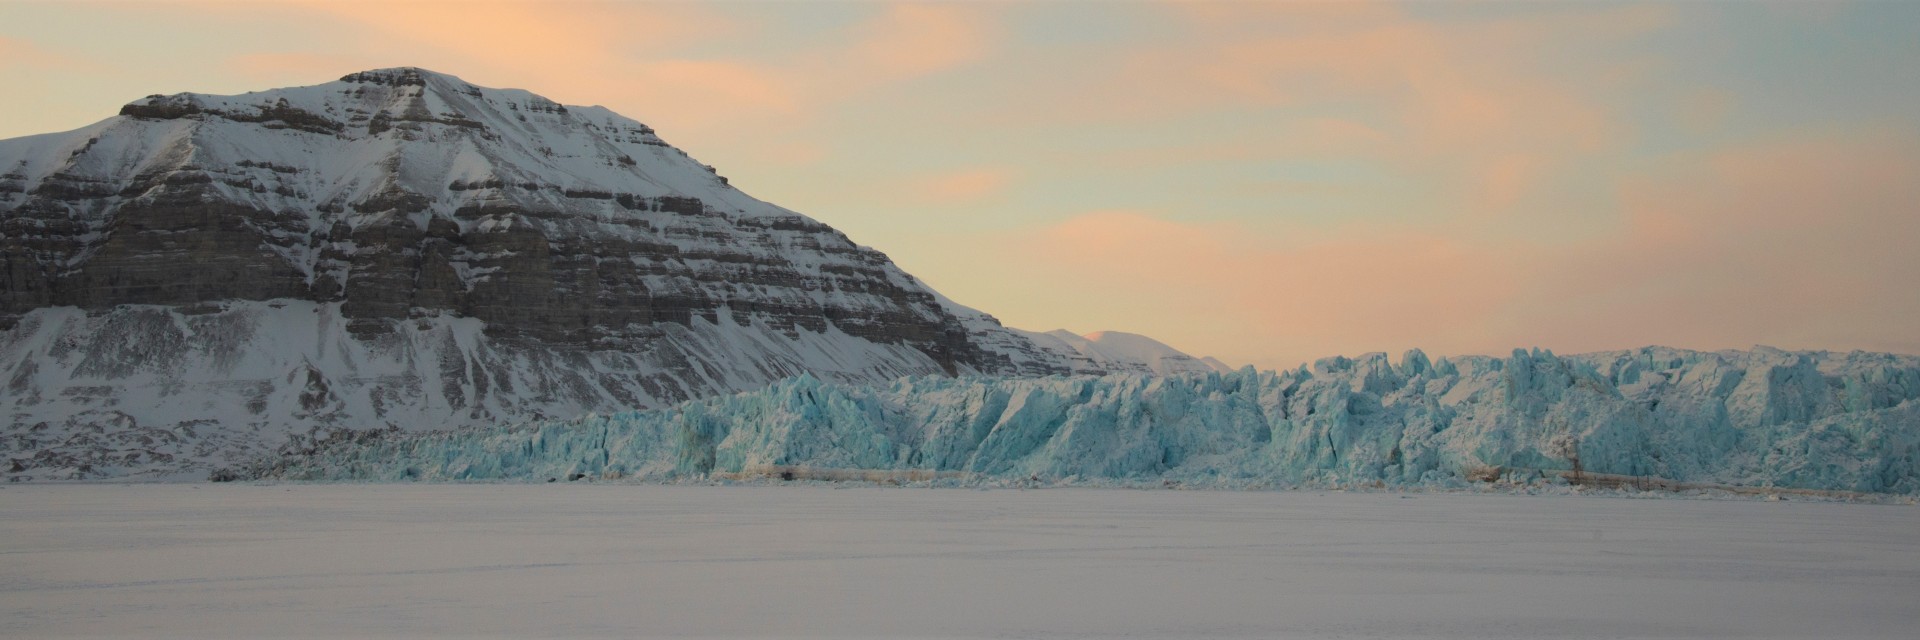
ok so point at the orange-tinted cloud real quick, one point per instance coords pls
(632, 56)
(34, 74)
(1507, 178)
(1484, 106)
(574, 52)
(966, 185)
(556, 37)
(908, 40)
(1298, 292)
(791, 151)
(279, 69)
(732, 82)
(18, 53)
(1704, 110)
(1803, 242)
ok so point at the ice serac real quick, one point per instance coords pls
(192, 279)
(1810, 420)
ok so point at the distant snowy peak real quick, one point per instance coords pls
(1216, 364)
(1105, 352)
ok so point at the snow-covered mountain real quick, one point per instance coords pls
(1105, 352)
(1810, 420)
(192, 279)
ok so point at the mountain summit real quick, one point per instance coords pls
(189, 280)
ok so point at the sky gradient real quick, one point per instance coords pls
(1263, 182)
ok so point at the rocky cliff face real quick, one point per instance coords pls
(190, 280)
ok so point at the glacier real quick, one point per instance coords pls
(1758, 418)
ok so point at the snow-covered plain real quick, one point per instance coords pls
(574, 560)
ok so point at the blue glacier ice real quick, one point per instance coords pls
(1765, 417)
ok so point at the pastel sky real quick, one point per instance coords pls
(1259, 181)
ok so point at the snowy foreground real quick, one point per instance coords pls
(572, 560)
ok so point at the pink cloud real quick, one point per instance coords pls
(1308, 138)
(553, 36)
(966, 185)
(281, 69)
(1136, 247)
(1507, 179)
(574, 52)
(724, 81)
(1704, 110)
(909, 40)
(1294, 293)
(20, 53)
(632, 55)
(1804, 242)
(791, 152)
(1483, 108)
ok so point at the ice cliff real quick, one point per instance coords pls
(1760, 418)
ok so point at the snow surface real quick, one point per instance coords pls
(1762, 418)
(232, 561)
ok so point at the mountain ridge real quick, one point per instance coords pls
(190, 279)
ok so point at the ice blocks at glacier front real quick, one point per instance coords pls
(1759, 418)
